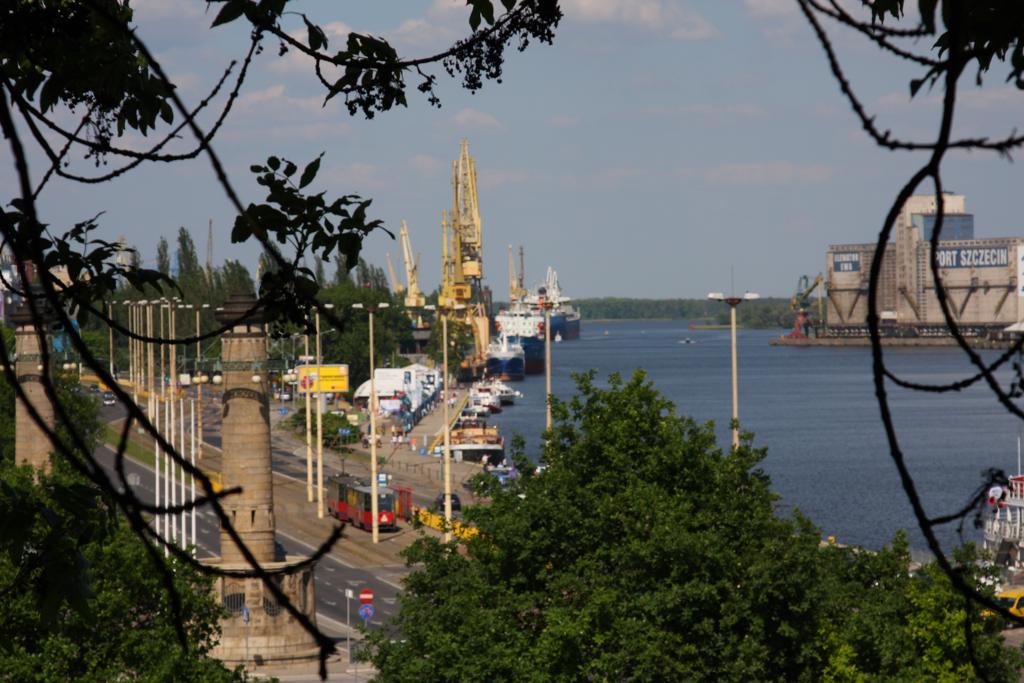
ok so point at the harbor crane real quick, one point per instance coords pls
(413, 294)
(462, 256)
(800, 302)
(396, 284)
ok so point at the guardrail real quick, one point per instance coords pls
(436, 521)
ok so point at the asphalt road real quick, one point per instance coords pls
(332, 575)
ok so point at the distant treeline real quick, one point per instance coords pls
(767, 312)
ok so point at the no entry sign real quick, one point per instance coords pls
(366, 596)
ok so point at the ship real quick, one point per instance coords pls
(473, 440)
(505, 360)
(523, 325)
(565, 318)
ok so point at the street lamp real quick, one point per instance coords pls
(320, 424)
(547, 305)
(733, 302)
(444, 311)
(371, 309)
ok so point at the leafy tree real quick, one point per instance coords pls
(79, 597)
(163, 257)
(84, 61)
(644, 552)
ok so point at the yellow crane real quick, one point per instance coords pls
(413, 294)
(462, 255)
(396, 285)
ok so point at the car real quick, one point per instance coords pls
(286, 395)
(456, 503)
(1012, 600)
(108, 398)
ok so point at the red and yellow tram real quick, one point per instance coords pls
(350, 501)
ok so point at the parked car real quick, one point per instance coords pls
(286, 395)
(108, 398)
(439, 503)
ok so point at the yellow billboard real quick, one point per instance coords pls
(332, 378)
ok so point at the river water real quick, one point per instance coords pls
(815, 411)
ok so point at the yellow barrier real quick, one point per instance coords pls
(436, 521)
(214, 478)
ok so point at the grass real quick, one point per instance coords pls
(133, 449)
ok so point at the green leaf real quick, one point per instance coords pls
(315, 35)
(309, 173)
(231, 10)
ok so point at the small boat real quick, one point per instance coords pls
(686, 341)
(475, 441)
(506, 394)
(558, 337)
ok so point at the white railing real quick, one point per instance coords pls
(1003, 529)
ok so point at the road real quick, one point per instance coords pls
(332, 575)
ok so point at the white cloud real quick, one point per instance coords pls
(272, 113)
(770, 8)
(426, 165)
(767, 173)
(564, 121)
(708, 109)
(496, 177)
(474, 118)
(675, 19)
(354, 177)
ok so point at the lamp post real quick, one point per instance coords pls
(320, 425)
(546, 304)
(308, 386)
(110, 338)
(447, 461)
(203, 379)
(375, 525)
(733, 302)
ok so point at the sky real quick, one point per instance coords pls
(659, 148)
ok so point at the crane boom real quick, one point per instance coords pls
(413, 294)
(396, 285)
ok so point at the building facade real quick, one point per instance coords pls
(980, 277)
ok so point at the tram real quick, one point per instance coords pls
(350, 499)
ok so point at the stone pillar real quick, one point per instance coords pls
(257, 629)
(245, 433)
(31, 445)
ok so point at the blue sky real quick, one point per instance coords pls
(656, 146)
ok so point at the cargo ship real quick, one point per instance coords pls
(505, 360)
(523, 326)
(565, 318)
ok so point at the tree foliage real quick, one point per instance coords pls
(767, 312)
(79, 595)
(645, 552)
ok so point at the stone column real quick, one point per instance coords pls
(256, 629)
(246, 433)
(31, 445)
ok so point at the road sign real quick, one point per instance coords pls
(282, 410)
(366, 596)
(349, 593)
(366, 611)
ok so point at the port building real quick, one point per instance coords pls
(983, 278)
